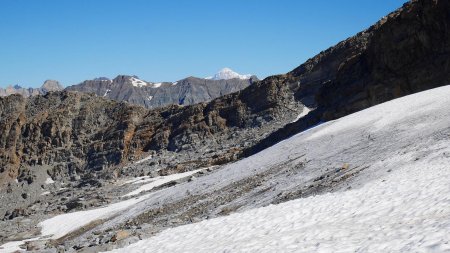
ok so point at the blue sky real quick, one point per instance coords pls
(166, 40)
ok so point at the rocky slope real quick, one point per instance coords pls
(82, 139)
(188, 91)
(76, 132)
(49, 85)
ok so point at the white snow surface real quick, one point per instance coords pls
(158, 181)
(398, 202)
(145, 158)
(106, 92)
(138, 82)
(14, 246)
(304, 112)
(156, 85)
(227, 73)
(408, 210)
(61, 225)
(49, 180)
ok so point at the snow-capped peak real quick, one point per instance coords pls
(227, 73)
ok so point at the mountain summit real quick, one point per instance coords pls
(227, 73)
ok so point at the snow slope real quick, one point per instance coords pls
(408, 210)
(398, 200)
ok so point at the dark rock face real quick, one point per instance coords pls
(406, 52)
(49, 85)
(187, 91)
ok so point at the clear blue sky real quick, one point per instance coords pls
(166, 40)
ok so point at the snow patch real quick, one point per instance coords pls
(106, 92)
(14, 246)
(137, 82)
(49, 180)
(146, 158)
(305, 112)
(61, 225)
(158, 181)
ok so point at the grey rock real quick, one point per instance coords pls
(48, 86)
(188, 91)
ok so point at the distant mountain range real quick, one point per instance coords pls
(49, 85)
(187, 91)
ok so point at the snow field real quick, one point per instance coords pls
(406, 211)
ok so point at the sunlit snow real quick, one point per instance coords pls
(305, 112)
(137, 82)
(158, 181)
(401, 204)
(227, 73)
(49, 180)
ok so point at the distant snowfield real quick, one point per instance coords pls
(401, 203)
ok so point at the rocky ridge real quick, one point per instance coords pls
(187, 91)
